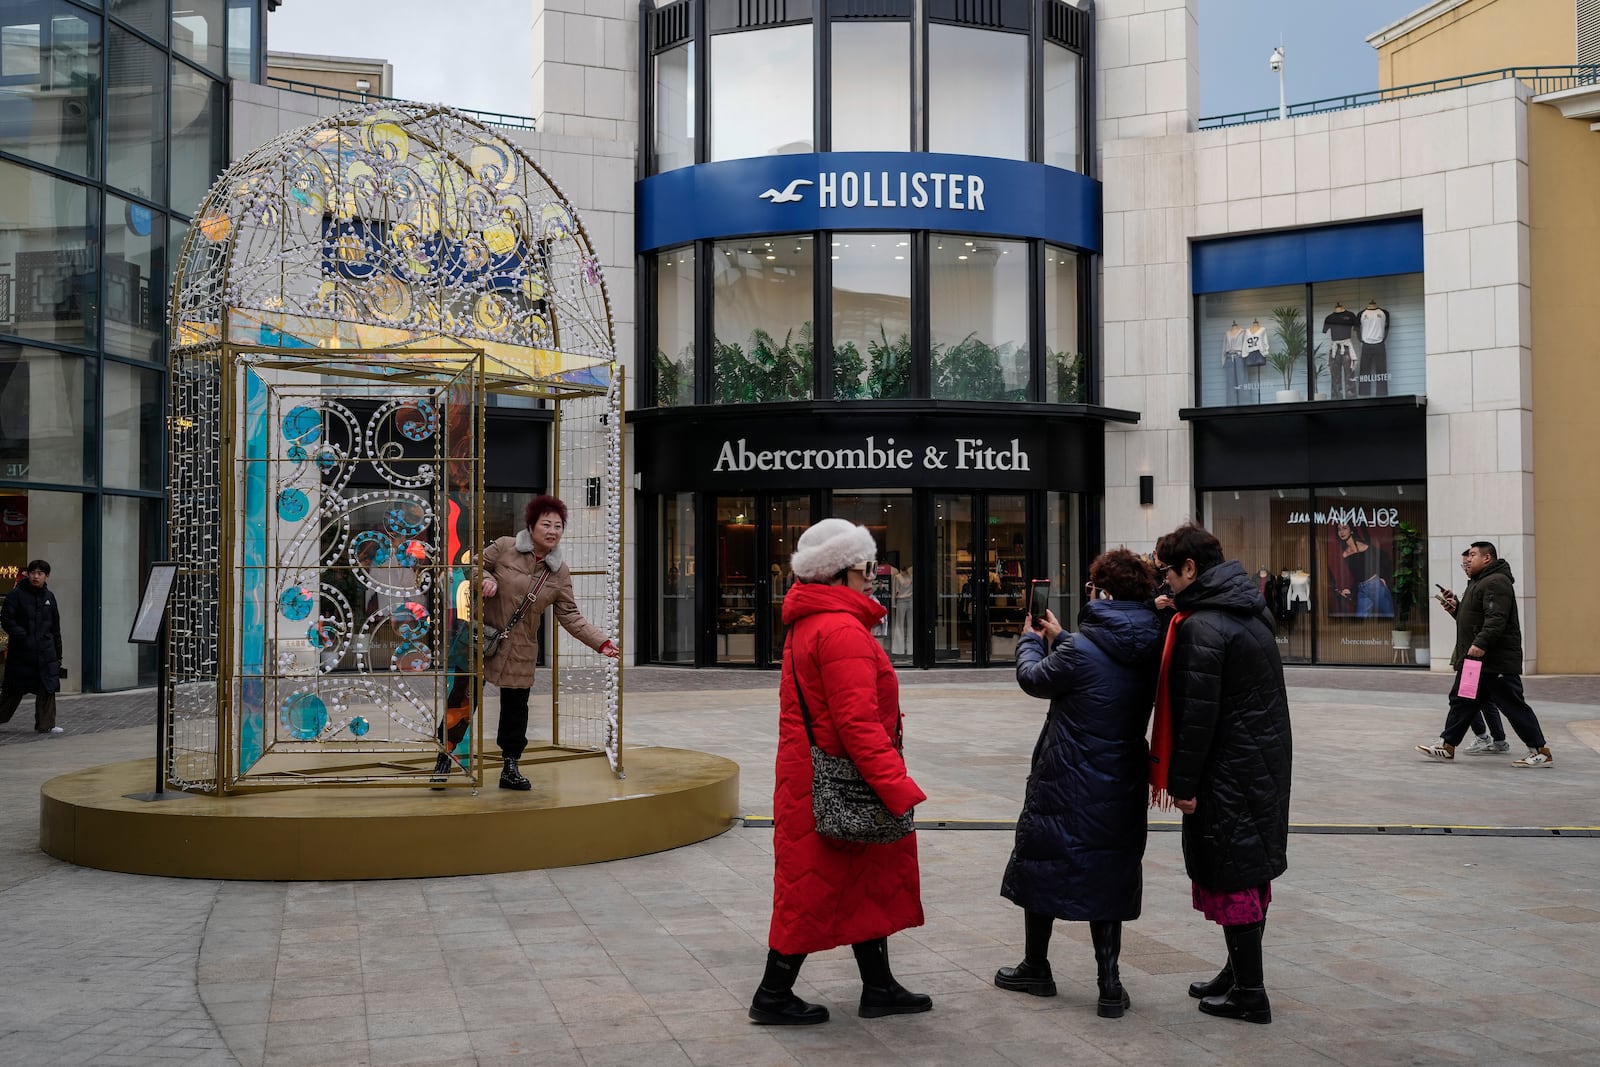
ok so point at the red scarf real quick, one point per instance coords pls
(1161, 728)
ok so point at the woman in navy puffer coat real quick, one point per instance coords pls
(1081, 835)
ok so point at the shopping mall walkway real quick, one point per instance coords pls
(1394, 938)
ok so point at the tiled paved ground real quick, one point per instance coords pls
(1403, 949)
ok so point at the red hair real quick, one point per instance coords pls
(542, 504)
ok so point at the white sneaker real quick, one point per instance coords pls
(1438, 751)
(53, 731)
(1479, 745)
(1536, 757)
(1499, 746)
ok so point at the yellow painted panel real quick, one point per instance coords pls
(1482, 35)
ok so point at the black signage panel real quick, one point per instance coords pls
(1333, 443)
(867, 448)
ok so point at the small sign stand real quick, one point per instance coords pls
(150, 628)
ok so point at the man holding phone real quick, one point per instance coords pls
(1489, 731)
(1488, 629)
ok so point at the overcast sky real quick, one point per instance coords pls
(479, 53)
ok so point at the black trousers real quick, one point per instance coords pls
(1503, 691)
(44, 708)
(512, 736)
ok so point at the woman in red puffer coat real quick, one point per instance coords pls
(825, 892)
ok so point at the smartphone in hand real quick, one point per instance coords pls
(1038, 601)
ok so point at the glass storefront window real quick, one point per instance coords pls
(242, 39)
(871, 61)
(49, 526)
(761, 93)
(1252, 345)
(131, 437)
(761, 320)
(674, 118)
(675, 624)
(737, 592)
(787, 518)
(1007, 574)
(197, 32)
(1064, 364)
(977, 92)
(674, 350)
(957, 575)
(1333, 563)
(136, 118)
(149, 16)
(1382, 352)
(124, 558)
(1060, 119)
(978, 314)
(871, 315)
(1365, 337)
(136, 274)
(46, 409)
(50, 85)
(47, 263)
(1064, 543)
(891, 518)
(199, 136)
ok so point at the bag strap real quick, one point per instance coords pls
(799, 690)
(533, 591)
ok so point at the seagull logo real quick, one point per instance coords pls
(789, 195)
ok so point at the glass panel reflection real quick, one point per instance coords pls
(132, 441)
(891, 517)
(48, 287)
(675, 624)
(46, 407)
(761, 321)
(1007, 573)
(674, 355)
(957, 578)
(674, 118)
(133, 528)
(736, 579)
(787, 518)
(871, 61)
(978, 312)
(871, 315)
(136, 118)
(199, 136)
(49, 526)
(977, 92)
(761, 93)
(1060, 108)
(136, 280)
(197, 32)
(50, 86)
(1064, 381)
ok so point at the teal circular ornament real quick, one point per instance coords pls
(359, 726)
(302, 425)
(296, 604)
(293, 505)
(306, 716)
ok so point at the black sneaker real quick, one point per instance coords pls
(441, 771)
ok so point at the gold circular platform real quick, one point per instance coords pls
(577, 812)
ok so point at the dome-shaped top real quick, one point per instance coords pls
(392, 225)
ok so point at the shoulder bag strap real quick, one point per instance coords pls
(799, 691)
(533, 591)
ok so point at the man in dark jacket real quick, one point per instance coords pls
(1488, 630)
(33, 658)
(1230, 759)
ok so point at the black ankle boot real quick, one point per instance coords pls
(511, 778)
(1107, 938)
(1025, 977)
(895, 999)
(1247, 1000)
(441, 771)
(880, 994)
(775, 1003)
(1217, 987)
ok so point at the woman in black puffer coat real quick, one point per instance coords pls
(1228, 768)
(1081, 835)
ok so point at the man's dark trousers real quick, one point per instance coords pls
(1503, 691)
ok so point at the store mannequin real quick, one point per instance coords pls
(1299, 590)
(1373, 373)
(900, 633)
(1233, 363)
(1257, 347)
(1341, 326)
(1264, 581)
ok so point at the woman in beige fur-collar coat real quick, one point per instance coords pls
(510, 568)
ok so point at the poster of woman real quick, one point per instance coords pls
(1360, 569)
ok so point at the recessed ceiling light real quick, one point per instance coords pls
(961, 257)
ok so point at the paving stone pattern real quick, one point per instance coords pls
(1427, 949)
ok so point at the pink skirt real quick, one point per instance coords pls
(1238, 908)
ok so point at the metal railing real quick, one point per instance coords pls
(1539, 79)
(352, 96)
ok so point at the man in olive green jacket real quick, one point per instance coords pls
(1488, 630)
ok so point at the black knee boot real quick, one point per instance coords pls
(775, 1003)
(880, 994)
(1107, 938)
(1247, 1000)
(1218, 986)
(1032, 975)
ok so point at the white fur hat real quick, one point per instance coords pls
(829, 547)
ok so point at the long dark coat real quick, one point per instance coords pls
(1081, 835)
(827, 893)
(1231, 746)
(1487, 617)
(33, 625)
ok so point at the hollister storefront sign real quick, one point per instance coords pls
(860, 450)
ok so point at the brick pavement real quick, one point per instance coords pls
(1434, 949)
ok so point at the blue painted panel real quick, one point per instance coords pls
(1325, 254)
(868, 191)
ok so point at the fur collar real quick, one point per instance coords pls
(525, 545)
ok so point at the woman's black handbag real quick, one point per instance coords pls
(843, 804)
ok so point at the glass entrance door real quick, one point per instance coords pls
(891, 516)
(958, 578)
(755, 538)
(787, 519)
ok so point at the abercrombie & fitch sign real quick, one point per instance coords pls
(963, 454)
